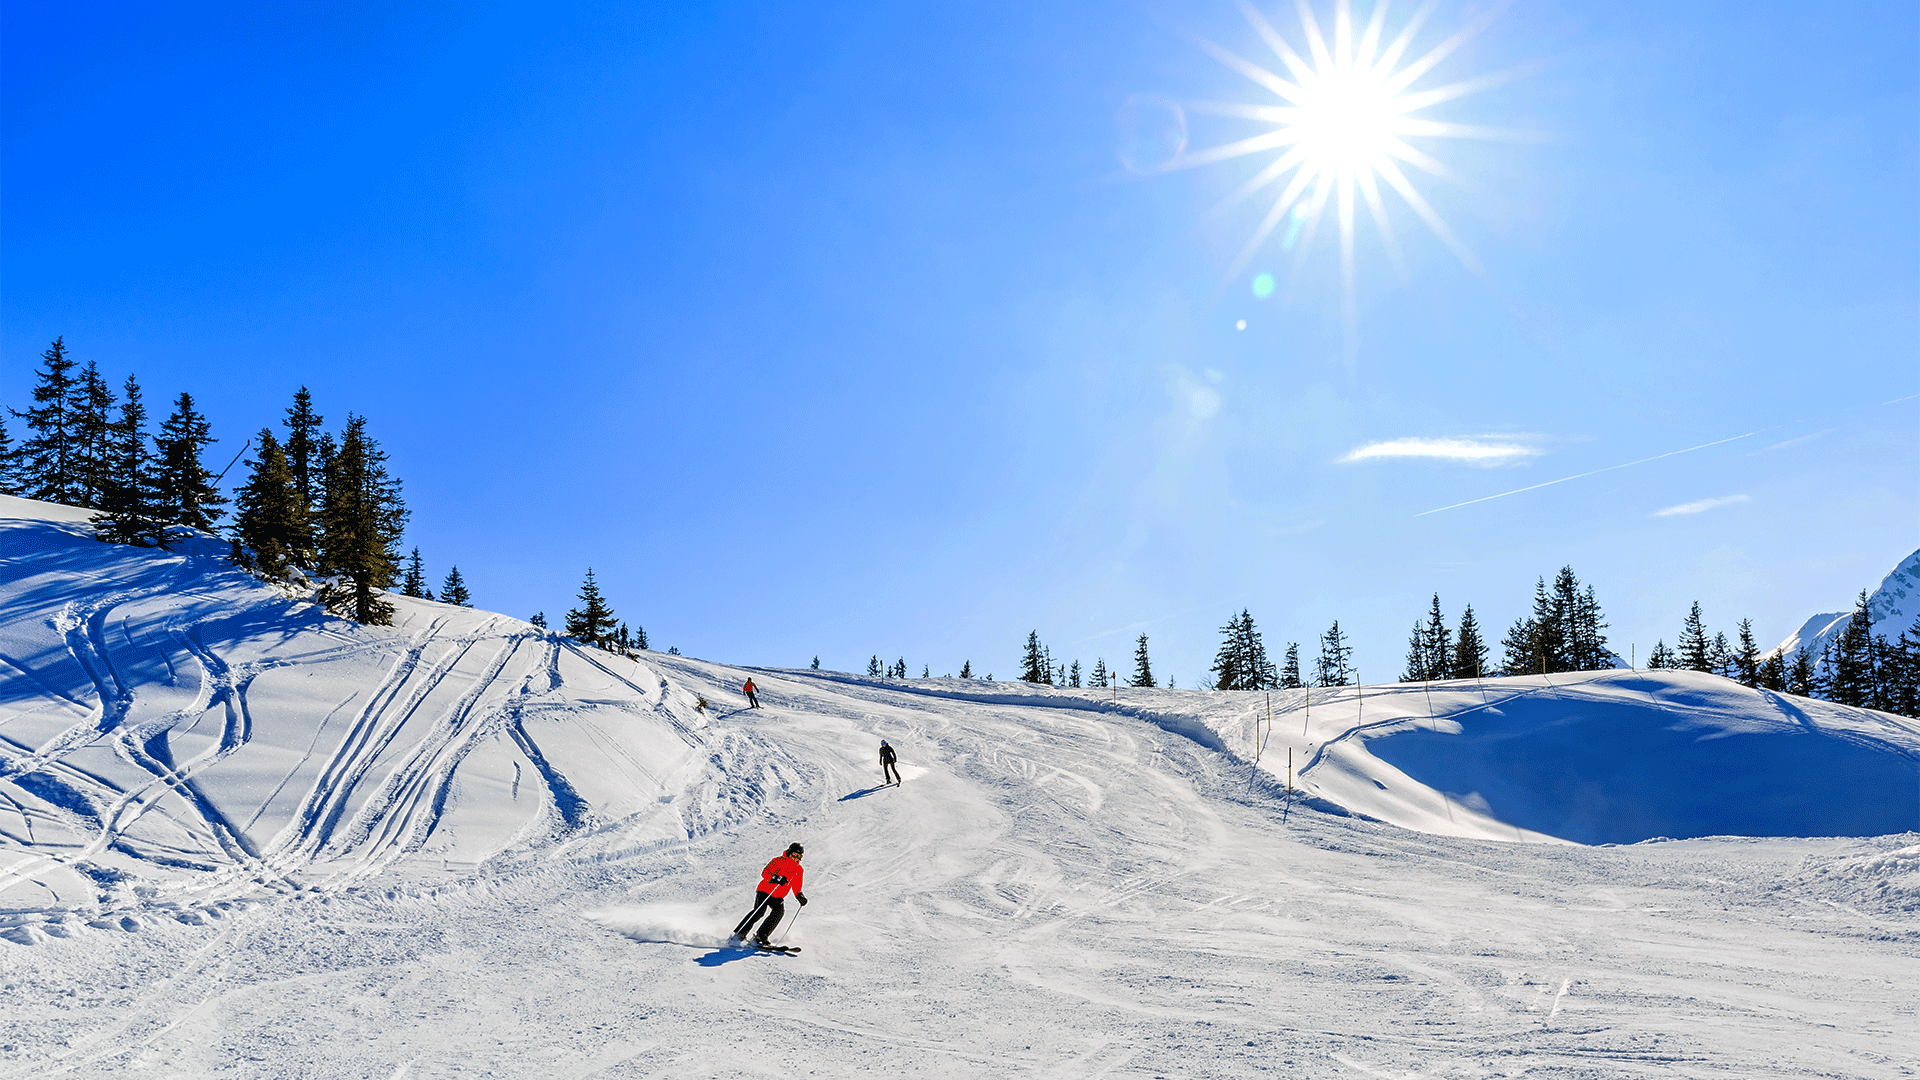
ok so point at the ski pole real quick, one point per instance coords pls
(790, 922)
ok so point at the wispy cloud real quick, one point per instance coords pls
(1702, 505)
(1479, 450)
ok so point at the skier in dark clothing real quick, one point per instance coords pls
(752, 702)
(782, 876)
(887, 766)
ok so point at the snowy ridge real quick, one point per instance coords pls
(165, 718)
(1893, 605)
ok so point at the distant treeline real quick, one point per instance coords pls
(1565, 631)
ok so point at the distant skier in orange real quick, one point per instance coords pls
(752, 702)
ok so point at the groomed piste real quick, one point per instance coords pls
(239, 837)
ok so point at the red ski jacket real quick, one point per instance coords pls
(786, 868)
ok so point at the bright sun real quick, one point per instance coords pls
(1340, 129)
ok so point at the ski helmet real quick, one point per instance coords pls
(796, 849)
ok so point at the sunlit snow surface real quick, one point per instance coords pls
(270, 844)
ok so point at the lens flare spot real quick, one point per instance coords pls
(1263, 285)
(1241, 325)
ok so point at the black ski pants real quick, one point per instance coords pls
(773, 907)
(887, 769)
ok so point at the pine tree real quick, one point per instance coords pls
(1073, 675)
(1662, 657)
(1469, 652)
(1803, 678)
(539, 618)
(1904, 696)
(97, 457)
(1746, 658)
(640, 638)
(816, 663)
(269, 518)
(1242, 663)
(1034, 667)
(874, 670)
(926, 671)
(414, 582)
(1290, 671)
(1850, 674)
(1100, 674)
(966, 669)
(900, 667)
(592, 622)
(1720, 656)
(46, 466)
(304, 449)
(454, 590)
(187, 494)
(1522, 649)
(363, 518)
(1696, 649)
(1773, 673)
(1334, 668)
(9, 459)
(1142, 669)
(130, 504)
(1587, 648)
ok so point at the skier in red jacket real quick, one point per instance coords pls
(782, 876)
(752, 701)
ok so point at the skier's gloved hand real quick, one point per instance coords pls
(802, 897)
(778, 879)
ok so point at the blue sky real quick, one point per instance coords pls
(842, 330)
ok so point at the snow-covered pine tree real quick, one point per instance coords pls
(1469, 651)
(1748, 656)
(303, 448)
(1290, 670)
(454, 589)
(1850, 675)
(270, 519)
(1334, 668)
(1034, 666)
(363, 518)
(129, 510)
(1696, 648)
(187, 494)
(413, 582)
(1142, 667)
(93, 423)
(46, 466)
(593, 621)
(874, 670)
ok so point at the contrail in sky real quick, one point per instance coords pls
(1595, 472)
(1642, 461)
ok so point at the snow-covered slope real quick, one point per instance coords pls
(1894, 606)
(169, 721)
(1069, 883)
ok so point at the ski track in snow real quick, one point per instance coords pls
(1066, 884)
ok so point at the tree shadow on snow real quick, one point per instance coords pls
(865, 793)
